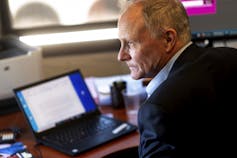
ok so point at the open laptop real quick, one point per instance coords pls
(63, 115)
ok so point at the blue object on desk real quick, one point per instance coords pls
(13, 148)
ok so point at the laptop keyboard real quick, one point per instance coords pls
(73, 134)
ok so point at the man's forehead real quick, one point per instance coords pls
(131, 20)
(131, 30)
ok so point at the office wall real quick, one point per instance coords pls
(91, 64)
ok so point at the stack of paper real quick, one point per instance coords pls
(100, 86)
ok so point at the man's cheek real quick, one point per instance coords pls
(132, 51)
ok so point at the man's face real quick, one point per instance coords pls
(142, 53)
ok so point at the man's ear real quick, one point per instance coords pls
(170, 39)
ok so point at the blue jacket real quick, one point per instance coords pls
(192, 113)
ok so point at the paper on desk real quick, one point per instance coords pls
(91, 86)
(100, 87)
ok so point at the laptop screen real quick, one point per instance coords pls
(56, 100)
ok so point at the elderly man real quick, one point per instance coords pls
(189, 111)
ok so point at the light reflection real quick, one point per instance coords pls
(70, 37)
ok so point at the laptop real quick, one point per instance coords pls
(63, 115)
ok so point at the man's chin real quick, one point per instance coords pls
(135, 76)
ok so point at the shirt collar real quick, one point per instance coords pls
(163, 74)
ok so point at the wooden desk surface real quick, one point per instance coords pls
(17, 120)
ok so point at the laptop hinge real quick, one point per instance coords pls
(71, 119)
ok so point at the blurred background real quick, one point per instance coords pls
(82, 33)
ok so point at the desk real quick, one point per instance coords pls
(17, 119)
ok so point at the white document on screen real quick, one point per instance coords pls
(53, 102)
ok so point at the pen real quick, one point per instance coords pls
(120, 128)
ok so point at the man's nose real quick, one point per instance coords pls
(123, 55)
